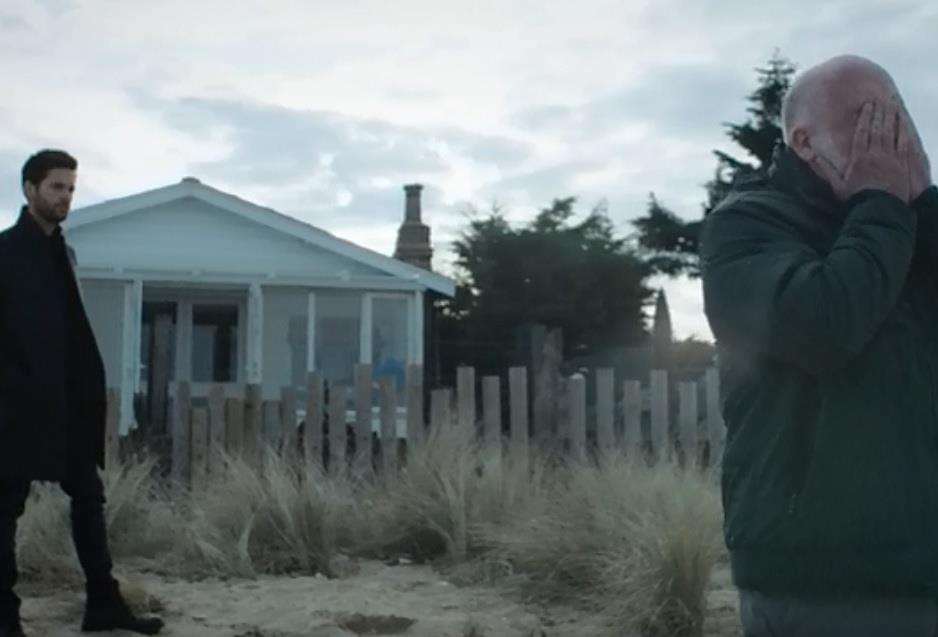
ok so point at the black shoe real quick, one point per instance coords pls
(109, 611)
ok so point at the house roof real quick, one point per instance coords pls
(192, 187)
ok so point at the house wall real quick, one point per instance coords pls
(104, 304)
(190, 234)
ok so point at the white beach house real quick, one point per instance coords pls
(187, 282)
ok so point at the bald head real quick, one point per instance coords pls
(833, 90)
(821, 109)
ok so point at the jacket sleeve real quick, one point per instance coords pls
(769, 292)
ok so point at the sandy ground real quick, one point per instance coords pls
(380, 599)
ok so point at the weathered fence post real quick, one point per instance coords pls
(576, 427)
(253, 418)
(466, 397)
(605, 405)
(272, 426)
(312, 427)
(111, 428)
(661, 450)
(687, 417)
(518, 395)
(492, 420)
(547, 355)
(234, 426)
(388, 425)
(289, 437)
(716, 428)
(217, 432)
(338, 438)
(492, 412)
(181, 434)
(441, 415)
(414, 398)
(632, 419)
(200, 440)
(363, 441)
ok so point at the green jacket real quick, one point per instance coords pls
(826, 322)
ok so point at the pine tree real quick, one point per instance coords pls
(672, 243)
(758, 135)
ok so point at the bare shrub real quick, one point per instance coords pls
(449, 490)
(276, 518)
(634, 543)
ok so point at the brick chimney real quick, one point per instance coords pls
(413, 237)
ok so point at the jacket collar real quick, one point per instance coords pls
(30, 228)
(793, 175)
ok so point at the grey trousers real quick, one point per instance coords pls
(772, 616)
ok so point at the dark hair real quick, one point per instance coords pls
(38, 166)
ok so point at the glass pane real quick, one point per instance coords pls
(285, 330)
(338, 317)
(214, 343)
(389, 338)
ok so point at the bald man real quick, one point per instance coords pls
(821, 287)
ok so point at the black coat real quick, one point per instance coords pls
(824, 315)
(44, 423)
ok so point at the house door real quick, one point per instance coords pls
(187, 336)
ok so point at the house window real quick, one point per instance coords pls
(214, 343)
(389, 337)
(338, 317)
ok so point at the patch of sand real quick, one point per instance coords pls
(412, 600)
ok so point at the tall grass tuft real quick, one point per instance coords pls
(636, 544)
(278, 517)
(450, 489)
(633, 543)
(139, 518)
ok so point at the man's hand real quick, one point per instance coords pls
(879, 157)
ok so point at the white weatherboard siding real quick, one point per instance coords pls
(190, 235)
(104, 304)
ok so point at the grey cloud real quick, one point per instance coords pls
(274, 146)
(554, 181)
(10, 22)
(675, 100)
(273, 143)
(58, 6)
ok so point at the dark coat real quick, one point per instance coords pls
(40, 431)
(826, 321)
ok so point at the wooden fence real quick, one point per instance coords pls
(624, 419)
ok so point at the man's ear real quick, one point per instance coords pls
(29, 190)
(800, 142)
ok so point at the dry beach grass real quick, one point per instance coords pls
(613, 547)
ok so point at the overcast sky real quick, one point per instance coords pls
(323, 110)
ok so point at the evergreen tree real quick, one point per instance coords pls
(673, 243)
(758, 135)
(577, 276)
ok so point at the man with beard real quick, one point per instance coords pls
(52, 394)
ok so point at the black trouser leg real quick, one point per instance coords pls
(13, 495)
(89, 529)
